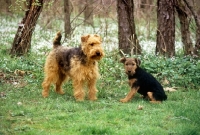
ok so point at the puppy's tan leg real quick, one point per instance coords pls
(92, 89)
(152, 99)
(130, 95)
(131, 81)
(79, 93)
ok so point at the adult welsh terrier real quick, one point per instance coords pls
(79, 64)
(142, 82)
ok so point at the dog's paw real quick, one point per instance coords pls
(93, 98)
(155, 102)
(79, 99)
(60, 92)
(123, 100)
(45, 94)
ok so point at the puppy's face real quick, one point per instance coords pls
(130, 65)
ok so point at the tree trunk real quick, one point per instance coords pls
(165, 44)
(185, 33)
(67, 19)
(197, 21)
(128, 41)
(8, 4)
(88, 13)
(22, 41)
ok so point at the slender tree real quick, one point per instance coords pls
(197, 21)
(67, 18)
(183, 12)
(165, 44)
(8, 3)
(22, 41)
(128, 41)
(88, 12)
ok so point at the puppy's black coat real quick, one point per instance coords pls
(147, 83)
(142, 82)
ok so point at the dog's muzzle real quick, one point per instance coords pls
(98, 54)
(130, 73)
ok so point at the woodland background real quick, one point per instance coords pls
(165, 17)
(166, 42)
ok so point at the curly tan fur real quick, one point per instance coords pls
(79, 64)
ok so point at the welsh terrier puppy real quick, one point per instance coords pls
(79, 64)
(142, 82)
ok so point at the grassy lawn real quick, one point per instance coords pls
(23, 110)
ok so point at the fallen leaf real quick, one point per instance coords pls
(19, 72)
(172, 89)
(19, 103)
(2, 95)
(165, 81)
(140, 107)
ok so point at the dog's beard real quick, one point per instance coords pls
(97, 55)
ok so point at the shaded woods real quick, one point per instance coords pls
(129, 15)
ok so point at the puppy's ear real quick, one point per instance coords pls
(122, 60)
(138, 61)
(84, 38)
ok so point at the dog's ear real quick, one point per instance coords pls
(138, 62)
(122, 60)
(95, 35)
(84, 38)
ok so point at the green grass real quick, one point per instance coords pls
(23, 111)
(61, 114)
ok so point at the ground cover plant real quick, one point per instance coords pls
(24, 111)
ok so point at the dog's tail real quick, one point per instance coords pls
(56, 41)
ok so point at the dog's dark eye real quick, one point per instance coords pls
(133, 64)
(92, 44)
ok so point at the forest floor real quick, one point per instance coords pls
(24, 111)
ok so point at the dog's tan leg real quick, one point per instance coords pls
(46, 85)
(79, 93)
(152, 99)
(59, 84)
(130, 95)
(92, 89)
(59, 88)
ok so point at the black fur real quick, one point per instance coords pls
(64, 55)
(147, 83)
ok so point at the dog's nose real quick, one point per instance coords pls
(129, 72)
(98, 53)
